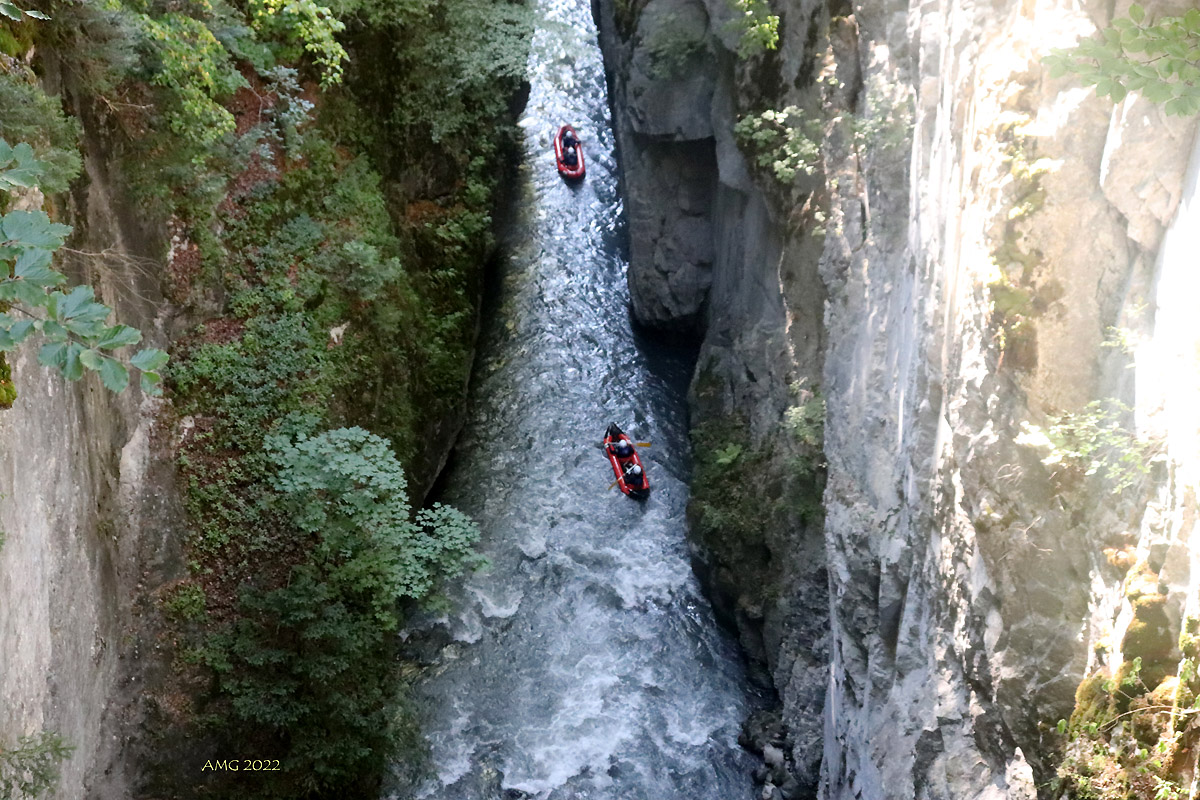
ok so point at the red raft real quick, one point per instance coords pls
(567, 170)
(624, 458)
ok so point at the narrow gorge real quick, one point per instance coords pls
(904, 313)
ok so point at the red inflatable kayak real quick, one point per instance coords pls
(575, 171)
(623, 457)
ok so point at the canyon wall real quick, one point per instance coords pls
(951, 262)
(89, 514)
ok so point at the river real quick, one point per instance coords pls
(585, 662)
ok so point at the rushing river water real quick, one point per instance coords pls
(585, 663)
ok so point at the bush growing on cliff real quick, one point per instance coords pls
(671, 48)
(785, 142)
(1160, 60)
(302, 25)
(308, 668)
(757, 28)
(1093, 442)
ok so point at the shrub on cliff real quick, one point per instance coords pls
(308, 668)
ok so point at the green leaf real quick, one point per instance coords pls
(1118, 92)
(91, 359)
(10, 11)
(28, 293)
(72, 368)
(33, 265)
(33, 229)
(79, 306)
(28, 169)
(87, 329)
(54, 331)
(113, 374)
(36, 14)
(1137, 13)
(21, 330)
(152, 384)
(149, 359)
(119, 336)
(53, 354)
(1158, 93)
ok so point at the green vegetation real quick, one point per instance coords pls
(1017, 301)
(311, 658)
(30, 769)
(885, 127)
(186, 603)
(785, 143)
(1126, 739)
(757, 28)
(673, 47)
(1015, 310)
(326, 175)
(1160, 60)
(302, 24)
(736, 491)
(734, 499)
(1131, 734)
(806, 419)
(33, 117)
(71, 323)
(1093, 442)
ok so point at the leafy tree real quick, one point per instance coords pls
(303, 24)
(1093, 441)
(77, 338)
(196, 73)
(1160, 60)
(346, 488)
(310, 662)
(785, 142)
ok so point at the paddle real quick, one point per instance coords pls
(639, 444)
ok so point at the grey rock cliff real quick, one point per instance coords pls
(947, 274)
(91, 518)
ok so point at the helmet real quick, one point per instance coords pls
(635, 470)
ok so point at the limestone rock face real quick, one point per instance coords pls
(944, 273)
(90, 517)
(671, 75)
(665, 135)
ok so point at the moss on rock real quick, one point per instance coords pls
(1093, 701)
(1149, 635)
(8, 390)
